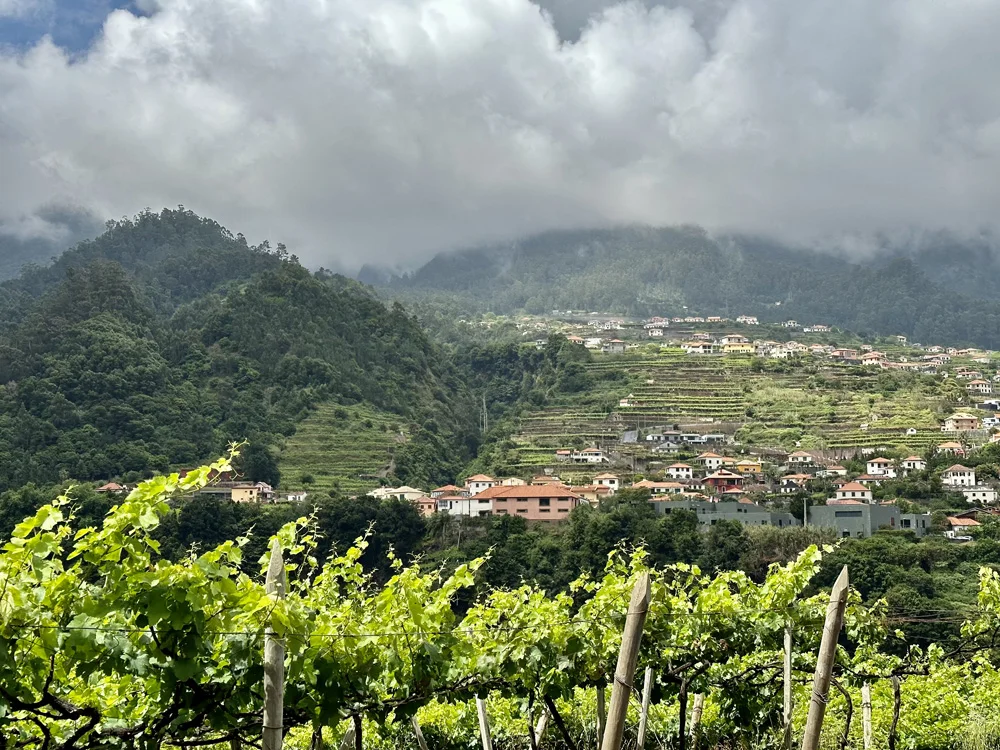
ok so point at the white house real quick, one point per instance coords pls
(990, 422)
(748, 320)
(711, 461)
(698, 347)
(800, 457)
(958, 476)
(981, 495)
(854, 491)
(656, 333)
(980, 387)
(680, 471)
(881, 467)
(399, 493)
(607, 480)
(478, 483)
(913, 463)
(470, 507)
(589, 456)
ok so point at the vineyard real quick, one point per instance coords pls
(343, 447)
(105, 644)
(804, 405)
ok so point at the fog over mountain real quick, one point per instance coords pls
(382, 131)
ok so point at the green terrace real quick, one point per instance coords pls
(344, 447)
(816, 405)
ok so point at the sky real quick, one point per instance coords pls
(382, 131)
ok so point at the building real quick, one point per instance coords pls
(426, 506)
(615, 346)
(748, 320)
(913, 463)
(656, 333)
(466, 507)
(960, 423)
(709, 513)
(958, 476)
(397, 493)
(951, 448)
(448, 489)
(589, 456)
(711, 461)
(680, 471)
(660, 488)
(958, 528)
(980, 388)
(258, 492)
(881, 467)
(801, 458)
(792, 483)
(749, 466)
(545, 479)
(610, 481)
(512, 482)
(861, 520)
(592, 493)
(545, 503)
(746, 348)
(980, 495)
(112, 488)
(853, 491)
(478, 483)
(723, 480)
(699, 347)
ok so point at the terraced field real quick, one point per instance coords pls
(814, 405)
(347, 447)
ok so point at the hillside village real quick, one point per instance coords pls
(689, 419)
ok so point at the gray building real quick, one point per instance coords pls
(861, 520)
(709, 513)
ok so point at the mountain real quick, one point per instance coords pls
(647, 271)
(167, 337)
(65, 225)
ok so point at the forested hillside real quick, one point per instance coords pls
(167, 337)
(645, 271)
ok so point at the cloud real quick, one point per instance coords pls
(21, 8)
(383, 130)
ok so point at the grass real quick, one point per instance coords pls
(344, 447)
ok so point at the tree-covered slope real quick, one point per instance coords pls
(647, 271)
(104, 373)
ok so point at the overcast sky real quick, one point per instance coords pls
(383, 130)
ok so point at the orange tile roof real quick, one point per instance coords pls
(853, 487)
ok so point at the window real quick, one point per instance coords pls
(564, 510)
(522, 510)
(848, 514)
(544, 510)
(543, 502)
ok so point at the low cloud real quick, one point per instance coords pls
(384, 130)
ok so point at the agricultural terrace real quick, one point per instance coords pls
(781, 404)
(341, 447)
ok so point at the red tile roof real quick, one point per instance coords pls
(853, 487)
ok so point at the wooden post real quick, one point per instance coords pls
(696, 711)
(866, 714)
(787, 688)
(625, 670)
(484, 724)
(824, 663)
(417, 731)
(543, 722)
(274, 657)
(347, 742)
(647, 688)
(602, 713)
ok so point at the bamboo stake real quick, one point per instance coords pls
(602, 713)
(647, 688)
(824, 662)
(625, 670)
(347, 741)
(866, 714)
(417, 731)
(543, 722)
(274, 657)
(484, 724)
(787, 688)
(696, 711)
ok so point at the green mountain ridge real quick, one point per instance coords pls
(644, 271)
(166, 338)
